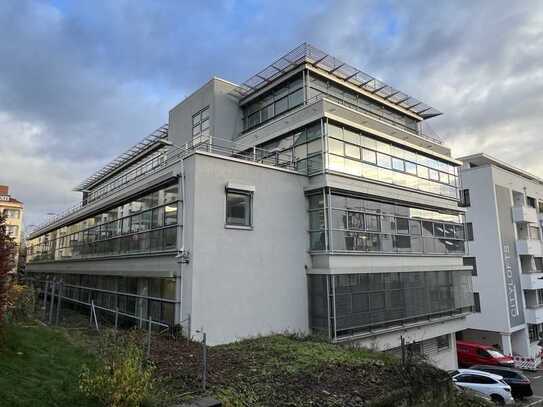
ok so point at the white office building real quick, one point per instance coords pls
(307, 199)
(504, 212)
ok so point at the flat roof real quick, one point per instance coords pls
(307, 53)
(121, 160)
(481, 159)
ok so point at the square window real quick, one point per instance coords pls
(410, 168)
(383, 160)
(368, 156)
(422, 171)
(352, 151)
(238, 208)
(397, 164)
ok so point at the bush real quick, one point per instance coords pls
(20, 301)
(124, 379)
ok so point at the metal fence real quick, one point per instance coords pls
(140, 309)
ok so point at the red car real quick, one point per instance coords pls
(474, 353)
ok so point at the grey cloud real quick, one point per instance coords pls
(95, 77)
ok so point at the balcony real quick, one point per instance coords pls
(532, 280)
(524, 214)
(534, 314)
(529, 248)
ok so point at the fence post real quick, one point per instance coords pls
(204, 361)
(90, 312)
(402, 341)
(93, 314)
(188, 329)
(149, 337)
(116, 319)
(45, 298)
(59, 301)
(52, 305)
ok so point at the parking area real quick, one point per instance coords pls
(537, 386)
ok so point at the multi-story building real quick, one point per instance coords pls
(504, 212)
(12, 210)
(306, 199)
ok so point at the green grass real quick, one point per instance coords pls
(39, 366)
(293, 353)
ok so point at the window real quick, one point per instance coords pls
(465, 200)
(533, 232)
(469, 231)
(534, 332)
(476, 302)
(12, 230)
(369, 156)
(200, 125)
(471, 261)
(443, 342)
(11, 213)
(530, 202)
(411, 168)
(238, 208)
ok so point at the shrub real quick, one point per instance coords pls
(124, 379)
(20, 301)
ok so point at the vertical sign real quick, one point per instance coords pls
(510, 258)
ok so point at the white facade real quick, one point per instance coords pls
(505, 208)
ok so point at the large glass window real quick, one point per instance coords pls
(319, 86)
(147, 223)
(365, 302)
(302, 147)
(282, 98)
(389, 163)
(364, 225)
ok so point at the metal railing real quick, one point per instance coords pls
(213, 145)
(52, 289)
(373, 114)
(334, 99)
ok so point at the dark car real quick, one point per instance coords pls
(520, 384)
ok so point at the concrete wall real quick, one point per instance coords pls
(245, 282)
(129, 266)
(486, 246)
(224, 112)
(445, 359)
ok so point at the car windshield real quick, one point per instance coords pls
(495, 353)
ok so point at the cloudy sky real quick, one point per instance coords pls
(82, 81)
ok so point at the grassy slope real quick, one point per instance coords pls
(40, 367)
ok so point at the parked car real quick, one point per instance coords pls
(487, 383)
(520, 384)
(474, 353)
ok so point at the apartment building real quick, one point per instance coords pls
(12, 210)
(307, 199)
(504, 212)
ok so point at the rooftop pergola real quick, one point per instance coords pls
(132, 152)
(306, 53)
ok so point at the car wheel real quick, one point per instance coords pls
(497, 399)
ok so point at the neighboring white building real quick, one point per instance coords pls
(504, 212)
(307, 199)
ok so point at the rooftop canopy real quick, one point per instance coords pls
(121, 160)
(306, 53)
